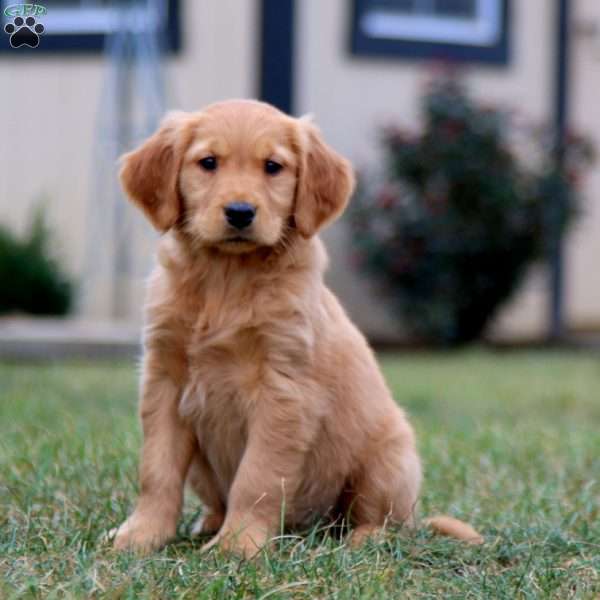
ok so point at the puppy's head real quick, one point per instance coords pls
(237, 176)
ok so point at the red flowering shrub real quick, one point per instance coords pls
(458, 217)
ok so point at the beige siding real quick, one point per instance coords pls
(583, 269)
(50, 106)
(351, 96)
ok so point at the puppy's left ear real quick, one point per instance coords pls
(325, 182)
(150, 173)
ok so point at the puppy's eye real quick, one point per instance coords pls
(272, 167)
(209, 163)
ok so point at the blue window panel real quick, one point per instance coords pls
(461, 30)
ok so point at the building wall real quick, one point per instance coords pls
(351, 96)
(582, 247)
(583, 251)
(50, 106)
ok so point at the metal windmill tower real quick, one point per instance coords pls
(119, 244)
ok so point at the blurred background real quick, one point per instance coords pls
(471, 124)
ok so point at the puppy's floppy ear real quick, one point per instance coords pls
(149, 174)
(325, 182)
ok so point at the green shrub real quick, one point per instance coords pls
(31, 280)
(450, 228)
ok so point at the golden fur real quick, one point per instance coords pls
(256, 388)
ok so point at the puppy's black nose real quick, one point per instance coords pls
(240, 214)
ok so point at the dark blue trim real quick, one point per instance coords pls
(561, 112)
(363, 45)
(89, 43)
(277, 54)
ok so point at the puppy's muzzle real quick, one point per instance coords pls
(240, 214)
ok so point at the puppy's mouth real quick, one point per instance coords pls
(237, 240)
(237, 244)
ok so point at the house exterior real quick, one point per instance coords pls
(353, 65)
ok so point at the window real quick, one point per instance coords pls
(445, 29)
(81, 25)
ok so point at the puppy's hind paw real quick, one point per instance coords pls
(207, 524)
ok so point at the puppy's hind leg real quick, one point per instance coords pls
(201, 479)
(385, 491)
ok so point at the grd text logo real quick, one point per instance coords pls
(25, 28)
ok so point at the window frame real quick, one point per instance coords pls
(84, 43)
(364, 45)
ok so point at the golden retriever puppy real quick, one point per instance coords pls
(256, 389)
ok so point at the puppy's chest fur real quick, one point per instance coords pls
(241, 333)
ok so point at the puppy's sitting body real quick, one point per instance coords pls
(256, 388)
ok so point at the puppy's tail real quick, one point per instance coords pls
(451, 527)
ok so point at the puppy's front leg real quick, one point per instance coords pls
(267, 478)
(166, 454)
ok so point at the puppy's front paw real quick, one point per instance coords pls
(142, 535)
(245, 542)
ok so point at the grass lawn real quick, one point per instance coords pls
(510, 442)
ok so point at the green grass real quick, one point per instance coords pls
(510, 442)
